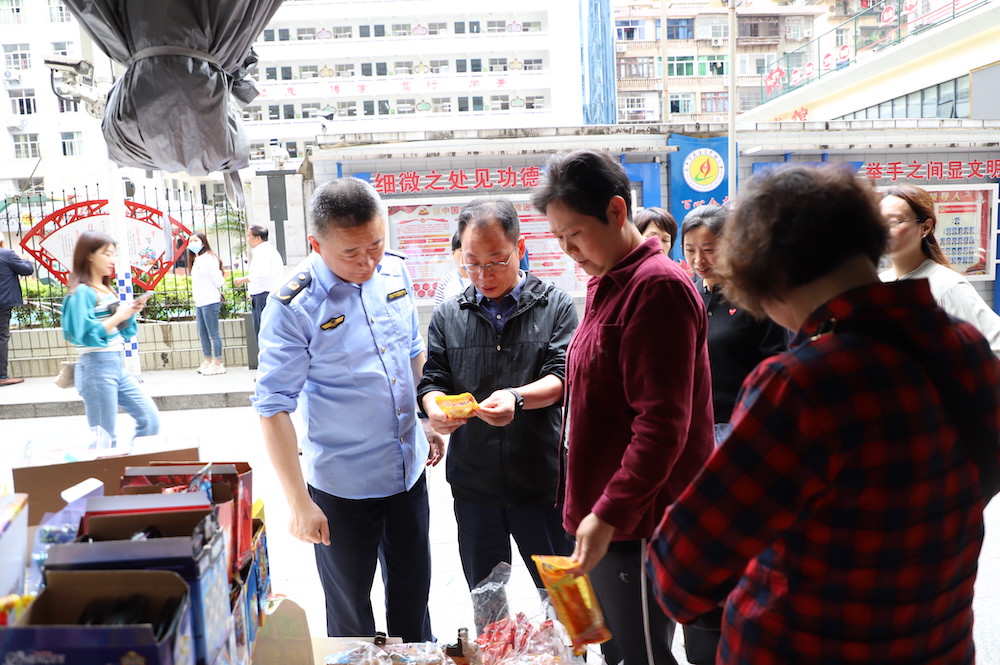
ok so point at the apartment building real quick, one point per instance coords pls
(331, 68)
(673, 59)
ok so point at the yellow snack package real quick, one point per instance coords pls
(457, 406)
(573, 598)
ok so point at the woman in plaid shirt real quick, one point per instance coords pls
(841, 521)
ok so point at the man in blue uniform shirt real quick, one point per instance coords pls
(344, 335)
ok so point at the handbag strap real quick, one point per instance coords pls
(954, 397)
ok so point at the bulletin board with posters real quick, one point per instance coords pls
(966, 227)
(422, 230)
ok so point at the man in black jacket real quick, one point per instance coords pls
(503, 340)
(11, 267)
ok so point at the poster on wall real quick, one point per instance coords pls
(422, 230)
(966, 227)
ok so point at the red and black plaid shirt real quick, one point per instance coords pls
(841, 521)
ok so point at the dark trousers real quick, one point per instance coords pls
(701, 642)
(4, 337)
(392, 531)
(257, 302)
(484, 533)
(638, 623)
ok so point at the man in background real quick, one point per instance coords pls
(11, 266)
(266, 271)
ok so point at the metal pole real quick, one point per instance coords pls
(731, 157)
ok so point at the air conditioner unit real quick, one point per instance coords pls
(11, 75)
(718, 41)
(807, 33)
(620, 48)
(16, 122)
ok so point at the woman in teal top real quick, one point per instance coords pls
(98, 324)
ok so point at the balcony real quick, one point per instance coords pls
(638, 115)
(637, 46)
(630, 84)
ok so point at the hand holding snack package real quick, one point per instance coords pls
(457, 406)
(573, 598)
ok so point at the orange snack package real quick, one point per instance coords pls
(457, 406)
(573, 598)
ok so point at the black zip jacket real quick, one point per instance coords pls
(517, 464)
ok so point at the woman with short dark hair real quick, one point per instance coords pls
(841, 520)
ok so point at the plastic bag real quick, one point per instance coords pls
(489, 598)
(59, 527)
(574, 600)
(457, 406)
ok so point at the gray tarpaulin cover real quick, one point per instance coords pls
(173, 109)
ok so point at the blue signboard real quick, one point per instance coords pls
(699, 173)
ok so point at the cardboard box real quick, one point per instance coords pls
(13, 543)
(284, 637)
(47, 632)
(139, 504)
(192, 545)
(43, 478)
(263, 569)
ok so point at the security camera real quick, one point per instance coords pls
(70, 65)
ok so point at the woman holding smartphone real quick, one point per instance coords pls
(98, 324)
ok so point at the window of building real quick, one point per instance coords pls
(378, 30)
(459, 27)
(466, 104)
(498, 64)
(305, 34)
(642, 67)
(793, 27)
(795, 60)
(441, 104)
(681, 102)
(364, 31)
(367, 69)
(474, 29)
(257, 151)
(461, 66)
(531, 26)
(269, 34)
(342, 32)
(499, 102)
(270, 73)
(749, 98)
(495, 26)
(286, 73)
(946, 99)
(841, 36)
(68, 106)
(310, 110)
(347, 109)
(714, 102)
(713, 65)
(534, 102)
(759, 26)
(533, 64)
(961, 97)
(308, 71)
(402, 30)
(463, 104)
(252, 113)
(344, 70)
(284, 35)
(631, 30)
(475, 64)
(753, 64)
(383, 107)
(274, 112)
(711, 27)
(899, 107)
(439, 67)
(369, 107)
(680, 28)
(930, 105)
(680, 65)
(26, 146)
(10, 12)
(437, 28)
(58, 12)
(288, 111)
(72, 143)
(406, 106)
(293, 149)
(381, 69)
(62, 48)
(16, 56)
(402, 67)
(22, 102)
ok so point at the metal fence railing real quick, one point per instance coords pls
(224, 226)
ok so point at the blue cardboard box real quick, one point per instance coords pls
(47, 632)
(192, 545)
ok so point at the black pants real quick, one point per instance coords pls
(643, 633)
(4, 337)
(257, 302)
(484, 533)
(392, 531)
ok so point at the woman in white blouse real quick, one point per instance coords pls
(206, 288)
(915, 254)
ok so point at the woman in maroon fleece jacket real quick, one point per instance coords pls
(638, 393)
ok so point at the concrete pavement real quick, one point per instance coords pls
(214, 412)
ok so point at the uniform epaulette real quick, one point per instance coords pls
(294, 287)
(398, 254)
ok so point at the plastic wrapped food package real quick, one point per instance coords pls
(457, 406)
(574, 600)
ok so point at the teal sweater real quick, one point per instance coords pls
(80, 321)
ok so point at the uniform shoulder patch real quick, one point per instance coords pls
(294, 287)
(395, 252)
(332, 323)
(395, 295)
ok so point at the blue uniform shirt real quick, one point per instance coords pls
(346, 348)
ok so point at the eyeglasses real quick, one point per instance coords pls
(893, 223)
(496, 266)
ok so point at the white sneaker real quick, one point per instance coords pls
(214, 369)
(203, 366)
